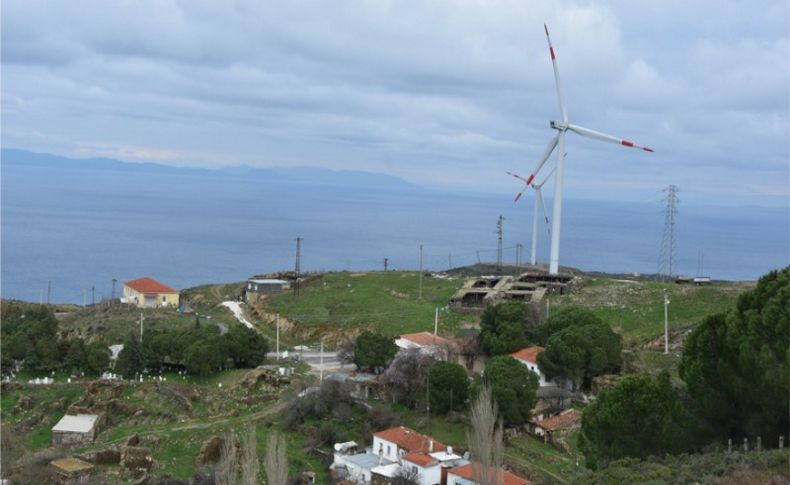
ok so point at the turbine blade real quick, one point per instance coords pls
(543, 209)
(540, 185)
(597, 135)
(546, 154)
(516, 175)
(560, 95)
(521, 192)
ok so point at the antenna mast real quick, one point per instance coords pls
(499, 243)
(666, 260)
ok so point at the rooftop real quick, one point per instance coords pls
(424, 338)
(390, 471)
(267, 281)
(503, 477)
(420, 459)
(149, 285)
(79, 423)
(528, 354)
(561, 421)
(410, 440)
(366, 461)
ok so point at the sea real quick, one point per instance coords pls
(71, 227)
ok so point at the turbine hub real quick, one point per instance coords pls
(558, 125)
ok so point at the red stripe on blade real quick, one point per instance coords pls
(530, 178)
(627, 143)
(648, 149)
(551, 49)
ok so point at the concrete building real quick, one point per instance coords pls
(556, 427)
(148, 293)
(70, 471)
(258, 288)
(75, 429)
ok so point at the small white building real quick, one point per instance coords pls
(529, 357)
(426, 342)
(260, 287)
(394, 443)
(75, 429)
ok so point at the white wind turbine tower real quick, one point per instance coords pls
(538, 202)
(559, 140)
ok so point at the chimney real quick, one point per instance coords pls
(430, 446)
(449, 450)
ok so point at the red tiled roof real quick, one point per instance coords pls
(528, 354)
(563, 420)
(420, 459)
(503, 477)
(424, 338)
(149, 285)
(410, 440)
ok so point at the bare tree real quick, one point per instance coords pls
(226, 472)
(250, 467)
(276, 461)
(405, 377)
(485, 438)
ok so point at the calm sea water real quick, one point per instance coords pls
(80, 228)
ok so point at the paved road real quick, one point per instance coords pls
(331, 362)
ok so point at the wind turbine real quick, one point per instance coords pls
(559, 141)
(538, 202)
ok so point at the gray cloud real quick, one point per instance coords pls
(444, 93)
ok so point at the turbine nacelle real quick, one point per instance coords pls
(558, 125)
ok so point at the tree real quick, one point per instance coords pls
(405, 378)
(637, 417)
(449, 387)
(246, 347)
(131, 360)
(736, 367)
(513, 388)
(485, 438)
(276, 461)
(374, 351)
(579, 353)
(563, 318)
(202, 358)
(502, 328)
(97, 359)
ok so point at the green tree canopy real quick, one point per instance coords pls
(579, 353)
(513, 387)
(736, 367)
(131, 360)
(562, 318)
(502, 328)
(449, 387)
(246, 347)
(374, 351)
(637, 417)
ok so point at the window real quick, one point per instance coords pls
(388, 450)
(164, 298)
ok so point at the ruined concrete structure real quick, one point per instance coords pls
(528, 287)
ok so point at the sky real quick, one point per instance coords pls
(442, 93)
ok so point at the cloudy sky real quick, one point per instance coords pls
(441, 93)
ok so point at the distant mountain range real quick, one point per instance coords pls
(295, 175)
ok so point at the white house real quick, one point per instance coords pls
(75, 429)
(394, 443)
(426, 342)
(529, 357)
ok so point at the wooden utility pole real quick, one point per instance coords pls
(419, 291)
(386, 262)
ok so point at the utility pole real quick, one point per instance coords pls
(141, 326)
(298, 265)
(435, 325)
(666, 264)
(93, 295)
(450, 260)
(666, 323)
(41, 297)
(277, 323)
(499, 243)
(112, 297)
(321, 371)
(386, 262)
(419, 291)
(49, 291)
(478, 256)
(519, 248)
(84, 298)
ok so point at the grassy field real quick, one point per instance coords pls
(636, 309)
(387, 302)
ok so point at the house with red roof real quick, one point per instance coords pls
(555, 427)
(470, 474)
(148, 293)
(426, 342)
(529, 357)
